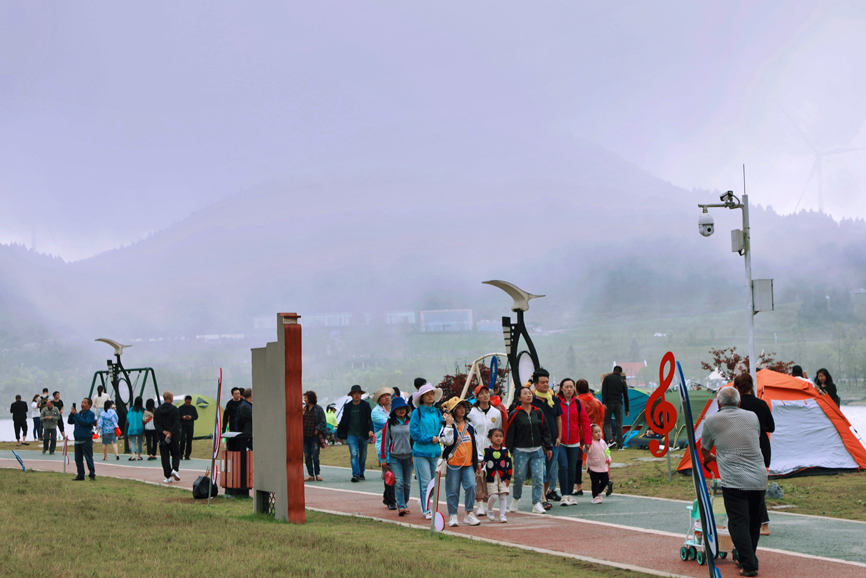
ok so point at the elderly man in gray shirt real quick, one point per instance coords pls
(736, 434)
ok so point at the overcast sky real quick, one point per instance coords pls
(117, 119)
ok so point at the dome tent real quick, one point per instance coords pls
(804, 419)
(206, 408)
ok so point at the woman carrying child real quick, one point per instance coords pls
(462, 460)
(598, 464)
(395, 453)
(497, 473)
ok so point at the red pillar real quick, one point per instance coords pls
(294, 418)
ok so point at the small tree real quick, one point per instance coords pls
(730, 363)
(452, 385)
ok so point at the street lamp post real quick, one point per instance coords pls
(740, 243)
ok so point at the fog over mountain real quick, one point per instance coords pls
(174, 171)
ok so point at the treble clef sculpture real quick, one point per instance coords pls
(663, 415)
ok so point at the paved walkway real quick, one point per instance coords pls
(626, 531)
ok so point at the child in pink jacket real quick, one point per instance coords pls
(598, 464)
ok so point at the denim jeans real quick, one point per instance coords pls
(402, 469)
(569, 460)
(551, 468)
(37, 428)
(135, 443)
(311, 455)
(456, 476)
(358, 453)
(84, 452)
(424, 470)
(534, 462)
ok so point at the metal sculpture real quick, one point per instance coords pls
(122, 384)
(524, 363)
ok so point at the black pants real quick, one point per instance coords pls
(49, 434)
(578, 475)
(84, 453)
(150, 438)
(389, 496)
(599, 482)
(744, 509)
(20, 426)
(186, 440)
(170, 454)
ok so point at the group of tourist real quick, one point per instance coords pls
(483, 447)
(46, 411)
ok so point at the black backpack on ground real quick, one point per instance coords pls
(201, 486)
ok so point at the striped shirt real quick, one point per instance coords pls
(736, 433)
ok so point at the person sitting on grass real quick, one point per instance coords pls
(598, 464)
(107, 423)
(395, 454)
(461, 456)
(497, 470)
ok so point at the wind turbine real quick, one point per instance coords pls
(818, 164)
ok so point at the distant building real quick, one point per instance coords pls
(265, 322)
(327, 320)
(399, 317)
(446, 320)
(631, 371)
(487, 325)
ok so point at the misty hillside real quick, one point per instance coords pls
(597, 235)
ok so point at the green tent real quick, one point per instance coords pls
(207, 408)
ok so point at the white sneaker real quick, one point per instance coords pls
(428, 516)
(538, 508)
(471, 520)
(479, 508)
(167, 481)
(597, 499)
(452, 521)
(175, 475)
(502, 519)
(491, 515)
(515, 506)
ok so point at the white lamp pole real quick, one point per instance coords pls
(740, 243)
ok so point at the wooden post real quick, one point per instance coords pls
(294, 418)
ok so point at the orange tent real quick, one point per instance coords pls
(811, 432)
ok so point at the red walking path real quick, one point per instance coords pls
(650, 551)
(625, 547)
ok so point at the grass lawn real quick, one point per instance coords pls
(118, 528)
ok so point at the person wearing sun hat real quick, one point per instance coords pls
(424, 426)
(483, 416)
(381, 409)
(463, 460)
(355, 429)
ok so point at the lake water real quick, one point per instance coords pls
(856, 414)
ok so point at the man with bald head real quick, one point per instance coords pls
(166, 421)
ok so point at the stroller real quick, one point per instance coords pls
(694, 547)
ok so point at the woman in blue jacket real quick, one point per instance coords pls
(424, 426)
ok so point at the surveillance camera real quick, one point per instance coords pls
(706, 225)
(727, 196)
